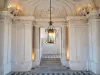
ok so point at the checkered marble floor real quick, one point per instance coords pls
(51, 67)
(56, 73)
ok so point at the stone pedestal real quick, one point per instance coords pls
(21, 55)
(94, 42)
(5, 42)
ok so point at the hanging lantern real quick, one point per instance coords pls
(51, 36)
(51, 30)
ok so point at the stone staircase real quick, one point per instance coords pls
(51, 67)
(51, 56)
(50, 62)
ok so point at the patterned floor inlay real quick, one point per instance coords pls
(64, 73)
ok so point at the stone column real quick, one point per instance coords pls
(5, 42)
(22, 43)
(63, 52)
(94, 42)
(37, 47)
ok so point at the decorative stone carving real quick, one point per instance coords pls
(24, 19)
(40, 8)
(94, 15)
(15, 10)
(5, 15)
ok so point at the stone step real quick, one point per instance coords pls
(51, 56)
(50, 60)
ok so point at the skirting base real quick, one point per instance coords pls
(1, 70)
(95, 67)
(7, 68)
(77, 65)
(21, 66)
(35, 63)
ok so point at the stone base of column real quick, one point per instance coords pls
(35, 63)
(65, 62)
(95, 67)
(7, 68)
(26, 66)
(76, 65)
(2, 70)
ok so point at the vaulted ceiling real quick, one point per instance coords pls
(60, 8)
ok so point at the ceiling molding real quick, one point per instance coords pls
(60, 8)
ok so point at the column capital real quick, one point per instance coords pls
(94, 15)
(5, 15)
(37, 26)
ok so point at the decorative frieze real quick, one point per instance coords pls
(24, 19)
(77, 20)
(93, 15)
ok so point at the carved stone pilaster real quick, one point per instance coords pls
(94, 41)
(5, 44)
(22, 43)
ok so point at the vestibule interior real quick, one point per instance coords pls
(22, 39)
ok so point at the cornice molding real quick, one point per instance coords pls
(24, 18)
(45, 20)
(77, 20)
(45, 25)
